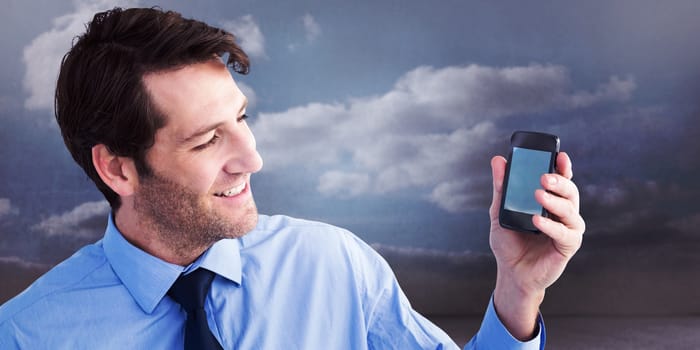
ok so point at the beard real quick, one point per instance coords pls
(181, 218)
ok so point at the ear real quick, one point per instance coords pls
(119, 173)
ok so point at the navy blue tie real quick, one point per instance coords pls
(190, 291)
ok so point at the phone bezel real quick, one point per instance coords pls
(515, 220)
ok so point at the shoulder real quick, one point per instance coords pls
(276, 223)
(304, 234)
(78, 272)
(323, 245)
(280, 227)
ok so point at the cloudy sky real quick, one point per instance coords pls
(381, 116)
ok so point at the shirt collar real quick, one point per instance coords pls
(148, 278)
(223, 258)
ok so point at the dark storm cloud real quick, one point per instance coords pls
(17, 274)
(7, 209)
(632, 273)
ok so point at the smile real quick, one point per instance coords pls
(232, 191)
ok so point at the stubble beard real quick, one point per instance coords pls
(180, 219)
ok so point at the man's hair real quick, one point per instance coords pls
(100, 94)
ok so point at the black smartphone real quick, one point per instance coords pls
(532, 154)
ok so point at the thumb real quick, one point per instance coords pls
(498, 170)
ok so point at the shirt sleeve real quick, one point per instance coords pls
(393, 324)
(494, 335)
(390, 321)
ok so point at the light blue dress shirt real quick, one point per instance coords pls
(288, 284)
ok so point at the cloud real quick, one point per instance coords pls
(312, 31)
(22, 263)
(454, 196)
(343, 184)
(6, 208)
(687, 224)
(615, 89)
(311, 28)
(607, 195)
(42, 57)
(249, 35)
(87, 220)
(432, 132)
(637, 210)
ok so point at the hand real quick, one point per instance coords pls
(529, 263)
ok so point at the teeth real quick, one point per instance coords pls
(233, 191)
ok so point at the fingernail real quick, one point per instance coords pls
(551, 180)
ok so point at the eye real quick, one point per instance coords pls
(243, 118)
(211, 142)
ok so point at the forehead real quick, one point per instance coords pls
(194, 95)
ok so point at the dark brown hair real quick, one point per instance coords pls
(100, 95)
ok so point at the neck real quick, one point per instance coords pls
(144, 234)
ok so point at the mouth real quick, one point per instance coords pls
(233, 191)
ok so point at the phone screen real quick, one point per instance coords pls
(526, 168)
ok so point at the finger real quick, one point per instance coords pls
(566, 240)
(564, 209)
(564, 166)
(498, 170)
(562, 187)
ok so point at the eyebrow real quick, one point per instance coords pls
(207, 128)
(201, 131)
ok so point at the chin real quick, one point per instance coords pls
(251, 222)
(245, 222)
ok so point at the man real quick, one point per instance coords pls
(151, 113)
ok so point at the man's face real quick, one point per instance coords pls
(201, 160)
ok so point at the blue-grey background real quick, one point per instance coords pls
(381, 116)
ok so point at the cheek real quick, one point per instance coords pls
(204, 177)
(197, 176)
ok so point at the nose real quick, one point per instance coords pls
(243, 156)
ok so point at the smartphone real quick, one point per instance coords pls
(532, 154)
